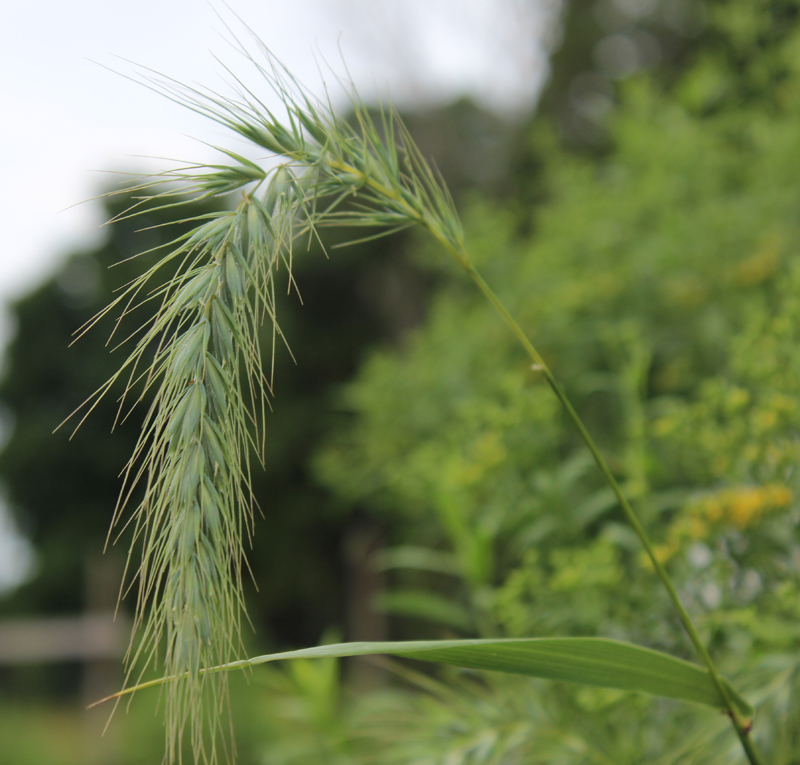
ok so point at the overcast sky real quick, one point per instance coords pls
(65, 117)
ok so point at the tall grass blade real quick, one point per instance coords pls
(591, 661)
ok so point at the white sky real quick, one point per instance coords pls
(64, 117)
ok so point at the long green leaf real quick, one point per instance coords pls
(593, 661)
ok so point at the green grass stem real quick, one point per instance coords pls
(742, 727)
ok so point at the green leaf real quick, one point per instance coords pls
(421, 558)
(593, 661)
(421, 604)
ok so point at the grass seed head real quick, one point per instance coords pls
(202, 358)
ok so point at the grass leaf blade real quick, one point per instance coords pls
(592, 661)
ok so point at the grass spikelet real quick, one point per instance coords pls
(201, 358)
(196, 501)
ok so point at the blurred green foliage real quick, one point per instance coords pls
(660, 281)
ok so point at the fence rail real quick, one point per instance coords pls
(87, 638)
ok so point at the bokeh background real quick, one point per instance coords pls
(627, 171)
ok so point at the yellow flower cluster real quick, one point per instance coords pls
(741, 507)
(763, 264)
(484, 453)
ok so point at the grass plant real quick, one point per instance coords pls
(201, 355)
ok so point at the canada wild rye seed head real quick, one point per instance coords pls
(200, 358)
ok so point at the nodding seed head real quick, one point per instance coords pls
(191, 453)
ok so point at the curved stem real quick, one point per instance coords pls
(742, 727)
